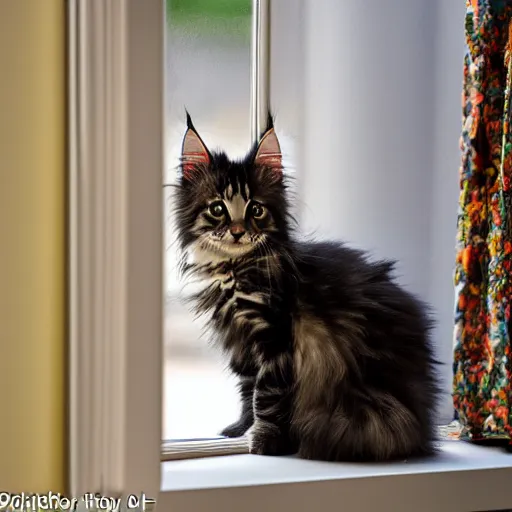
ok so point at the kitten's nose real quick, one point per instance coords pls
(237, 231)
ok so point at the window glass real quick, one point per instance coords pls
(207, 73)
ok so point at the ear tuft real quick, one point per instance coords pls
(189, 121)
(194, 152)
(270, 121)
(269, 154)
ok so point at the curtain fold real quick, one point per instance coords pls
(482, 384)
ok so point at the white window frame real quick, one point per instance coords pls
(115, 58)
(116, 133)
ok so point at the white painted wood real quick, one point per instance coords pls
(115, 239)
(461, 478)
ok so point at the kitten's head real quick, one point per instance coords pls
(228, 209)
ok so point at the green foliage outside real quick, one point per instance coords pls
(211, 17)
(209, 8)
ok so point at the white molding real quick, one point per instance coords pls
(452, 481)
(115, 245)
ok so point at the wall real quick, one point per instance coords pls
(380, 150)
(32, 224)
(447, 129)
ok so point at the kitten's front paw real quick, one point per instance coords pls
(267, 439)
(237, 429)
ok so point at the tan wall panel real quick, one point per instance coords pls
(32, 251)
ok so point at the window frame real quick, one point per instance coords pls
(115, 263)
(116, 63)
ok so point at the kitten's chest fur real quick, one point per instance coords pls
(238, 296)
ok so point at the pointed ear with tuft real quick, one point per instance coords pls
(268, 154)
(194, 153)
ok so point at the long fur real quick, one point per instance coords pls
(334, 357)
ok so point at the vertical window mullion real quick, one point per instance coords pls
(260, 66)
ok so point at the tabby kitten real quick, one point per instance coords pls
(333, 357)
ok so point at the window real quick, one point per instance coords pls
(208, 70)
(320, 96)
(208, 73)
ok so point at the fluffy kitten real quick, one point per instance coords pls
(333, 356)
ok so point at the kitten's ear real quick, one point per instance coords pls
(268, 154)
(194, 152)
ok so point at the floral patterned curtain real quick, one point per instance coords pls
(482, 382)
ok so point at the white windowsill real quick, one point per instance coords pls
(463, 477)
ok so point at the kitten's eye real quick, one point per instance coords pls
(216, 209)
(257, 211)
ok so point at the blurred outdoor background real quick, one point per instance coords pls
(367, 102)
(208, 73)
